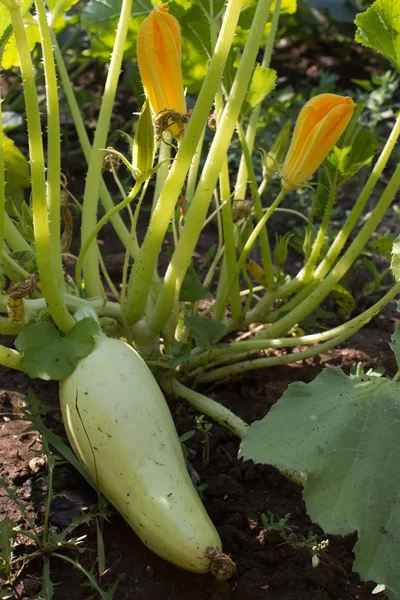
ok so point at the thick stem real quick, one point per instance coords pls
(252, 239)
(344, 233)
(48, 277)
(319, 240)
(13, 237)
(140, 279)
(53, 144)
(8, 328)
(258, 211)
(164, 157)
(347, 330)
(103, 221)
(119, 226)
(229, 239)
(206, 405)
(91, 271)
(194, 169)
(10, 358)
(260, 311)
(198, 209)
(323, 289)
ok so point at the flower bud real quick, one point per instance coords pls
(159, 60)
(281, 248)
(143, 145)
(320, 124)
(274, 158)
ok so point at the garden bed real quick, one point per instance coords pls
(237, 494)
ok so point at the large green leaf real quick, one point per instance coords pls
(379, 28)
(47, 355)
(344, 433)
(101, 12)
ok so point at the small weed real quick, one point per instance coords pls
(44, 540)
(297, 541)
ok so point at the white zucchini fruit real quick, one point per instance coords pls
(120, 427)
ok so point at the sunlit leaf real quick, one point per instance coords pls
(47, 355)
(10, 56)
(379, 28)
(262, 83)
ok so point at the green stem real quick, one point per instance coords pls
(92, 236)
(323, 289)
(319, 241)
(105, 197)
(229, 262)
(143, 268)
(344, 233)
(293, 286)
(8, 328)
(253, 237)
(91, 271)
(347, 330)
(194, 169)
(164, 157)
(13, 237)
(53, 144)
(240, 188)
(258, 210)
(206, 406)
(34, 307)
(48, 276)
(10, 358)
(198, 209)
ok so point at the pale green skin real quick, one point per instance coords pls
(139, 461)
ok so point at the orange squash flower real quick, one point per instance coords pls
(159, 60)
(320, 124)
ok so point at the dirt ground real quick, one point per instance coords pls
(237, 494)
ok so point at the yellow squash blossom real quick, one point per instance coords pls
(159, 60)
(320, 124)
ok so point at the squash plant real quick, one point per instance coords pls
(61, 322)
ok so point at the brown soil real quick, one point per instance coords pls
(236, 496)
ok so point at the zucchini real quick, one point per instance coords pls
(121, 429)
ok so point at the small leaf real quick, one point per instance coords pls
(10, 55)
(263, 81)
(395, 344)
(379, 28)
(205, 331)
(192, 289)
(343, 298)
(395, 263)
(383, 245)
(6, 535)
(47, 355)
(349, 157)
